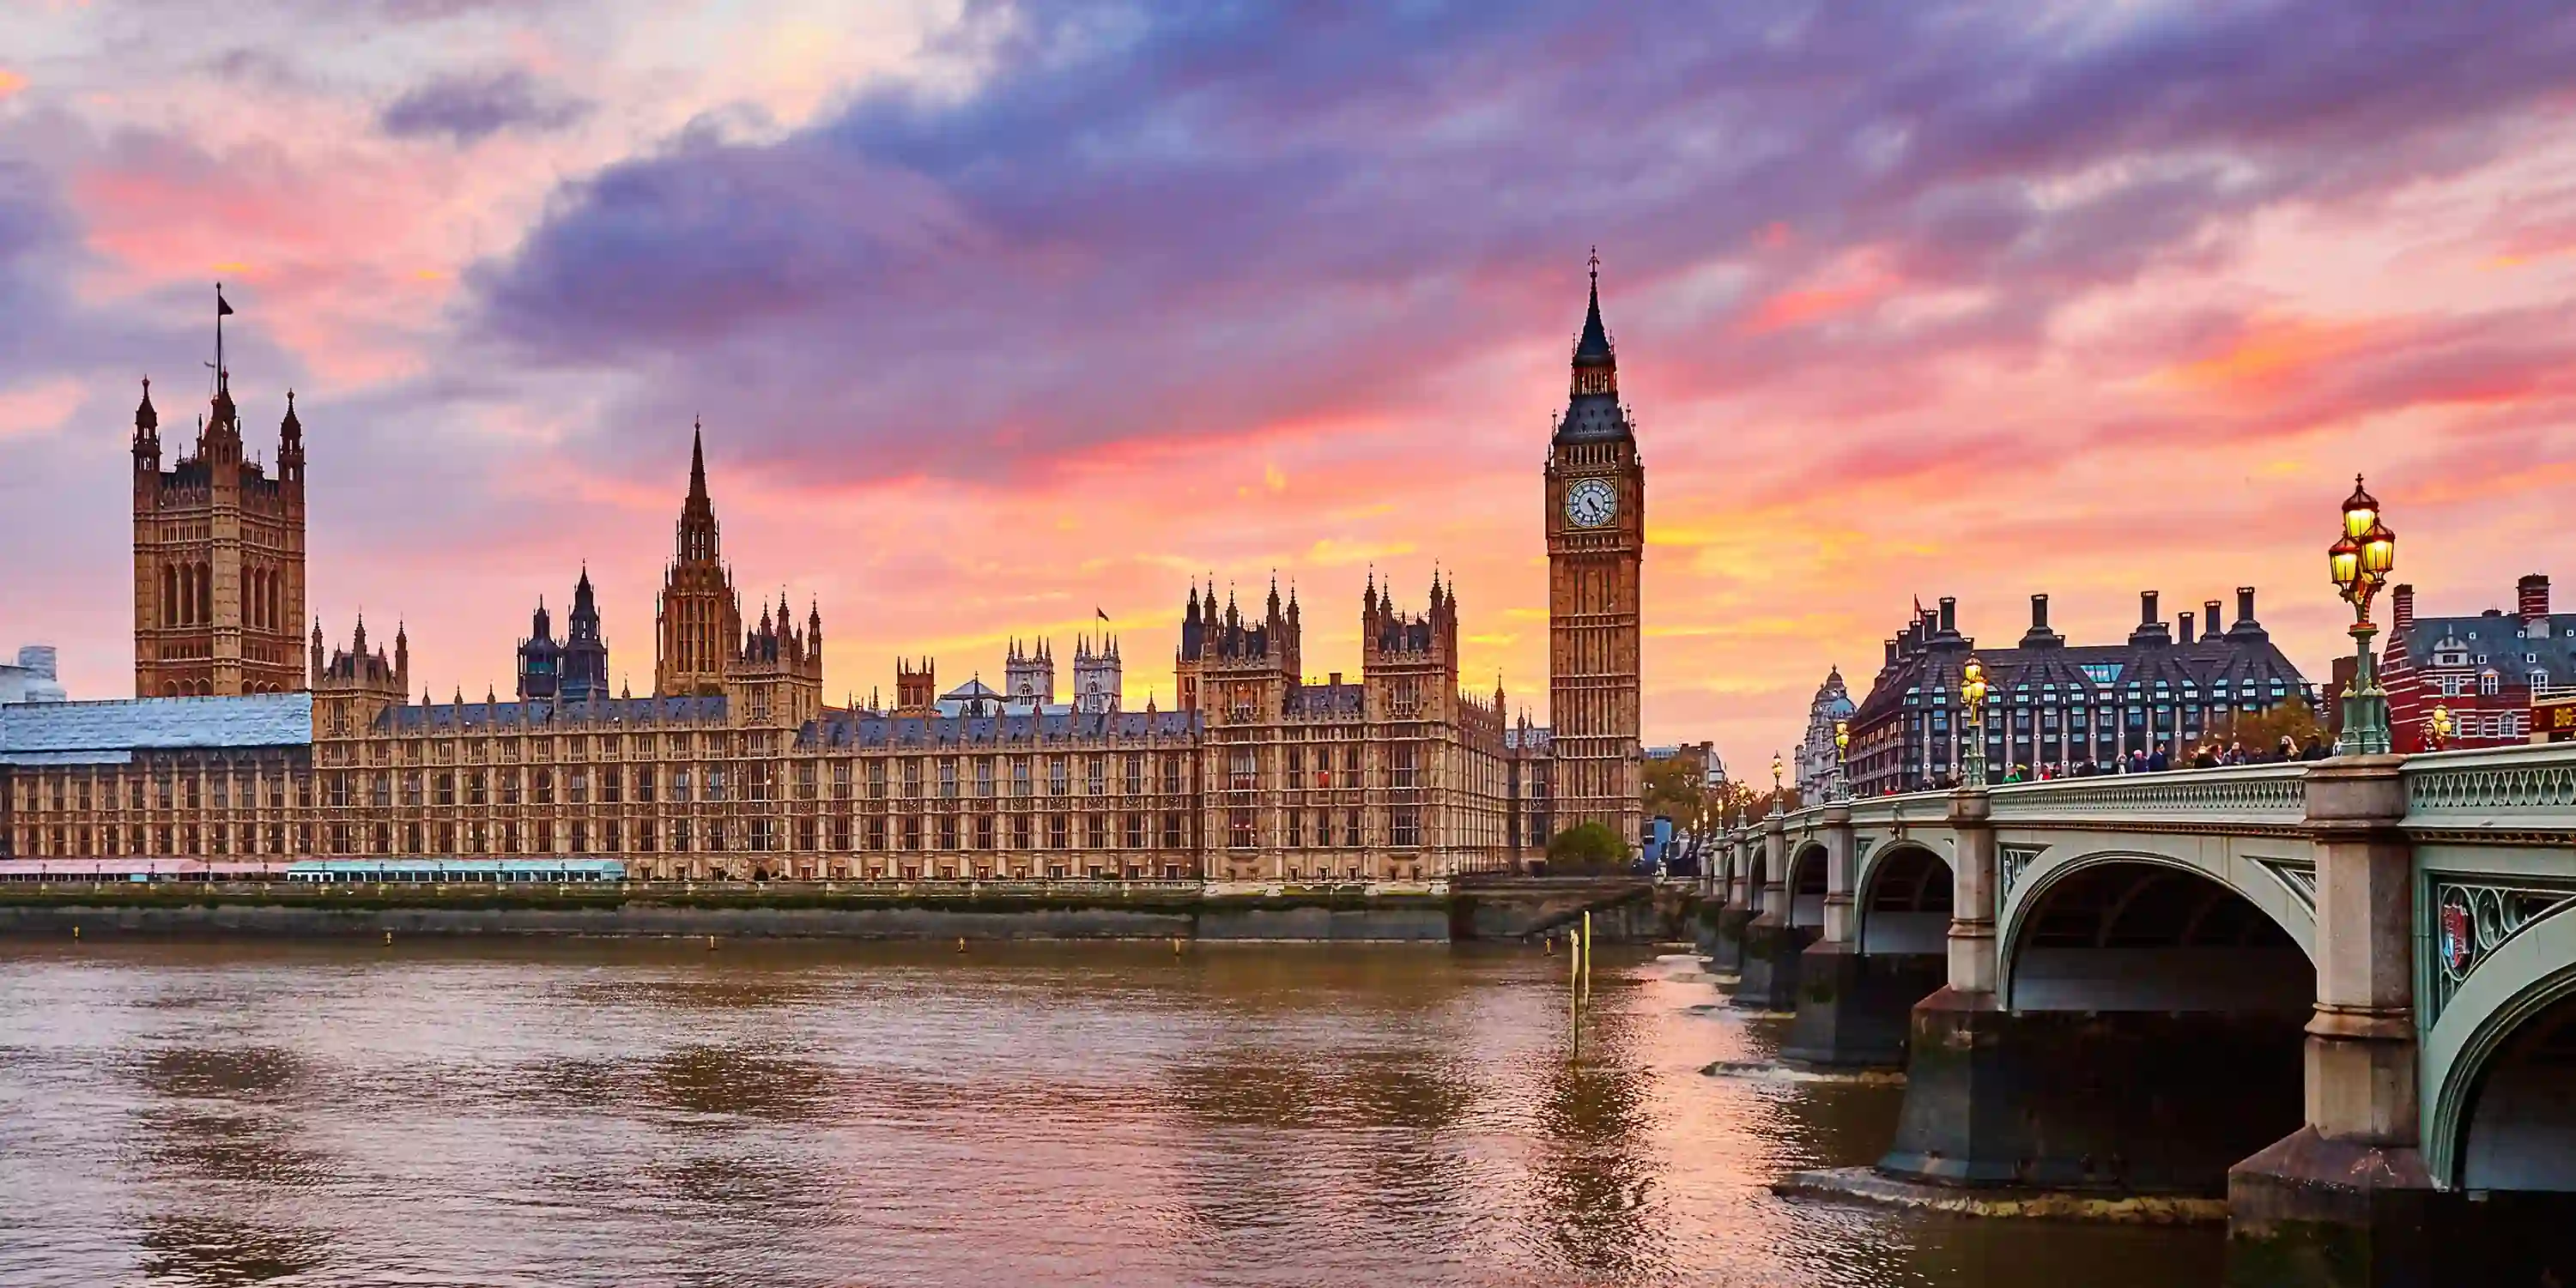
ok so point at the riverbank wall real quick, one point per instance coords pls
(794, 912)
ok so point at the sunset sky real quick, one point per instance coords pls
(1000, 313)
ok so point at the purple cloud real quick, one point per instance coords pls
(469, 109)
(1207, 222)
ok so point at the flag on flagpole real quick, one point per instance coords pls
(1102, 614)
(221, 309)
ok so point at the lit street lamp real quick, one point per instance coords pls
(2360, 561)
(2440, 724)
(1972, 690)
(1842, 759)
(1777, 767)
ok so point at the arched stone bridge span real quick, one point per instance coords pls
(2268, 979)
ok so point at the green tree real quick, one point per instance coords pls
(2260, 733)
(1675, 789)
(1587, 847)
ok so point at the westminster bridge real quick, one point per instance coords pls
(2343, 991)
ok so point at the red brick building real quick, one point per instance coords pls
(2483, 667)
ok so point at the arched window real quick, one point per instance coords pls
(2488, 682)
(169, 595)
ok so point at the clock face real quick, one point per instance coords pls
(1590, 503)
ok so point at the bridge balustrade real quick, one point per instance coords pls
(2433, 897)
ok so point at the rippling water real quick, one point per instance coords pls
(620, 1113)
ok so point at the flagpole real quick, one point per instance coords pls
(219, 335)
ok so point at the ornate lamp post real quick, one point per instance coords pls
(1972, 690)
(1842, 760)
(1777, 766)
(2360, 561)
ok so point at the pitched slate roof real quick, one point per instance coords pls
(110, 732)
(476, 715)
(2498, 634)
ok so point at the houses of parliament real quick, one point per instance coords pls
(250, 737)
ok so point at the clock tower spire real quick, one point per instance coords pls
(1596, 541)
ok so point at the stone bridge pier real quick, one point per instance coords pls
(2342, 995)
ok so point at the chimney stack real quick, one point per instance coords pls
(2531, 596)
(2245, 606)
(2151, 628)
(2209, 617)
(1891, 653)
(2401, 607)
(1949, 615)
(2039, 636)
(2185, 637)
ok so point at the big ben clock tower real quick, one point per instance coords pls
(1596, 540)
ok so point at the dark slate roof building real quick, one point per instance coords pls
(2055, 705)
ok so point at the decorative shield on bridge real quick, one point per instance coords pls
(2459, 942)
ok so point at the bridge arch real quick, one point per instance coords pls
(2028, 874)
(2500, 1064)
(1806, 883)
(2124, 930)
(1903, 900)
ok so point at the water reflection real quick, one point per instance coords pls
(615, 1114)
(217, 1252)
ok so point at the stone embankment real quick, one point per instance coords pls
(1101, 910)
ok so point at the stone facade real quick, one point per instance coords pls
(218, 557)
(735, 768)
(1596, 538)
(1816, 751)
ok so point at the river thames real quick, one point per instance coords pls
(631, 1113)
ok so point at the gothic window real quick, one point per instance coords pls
(1171, 774)
(1172, 832)
(1095, 780)
(1238, 828)
(1135, 831)
(1135, 775)
(1095, 831)
(1059, 832)
(947, 779)
(1407, 826)
(1019, 831)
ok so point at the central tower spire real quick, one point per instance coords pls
(699, 622)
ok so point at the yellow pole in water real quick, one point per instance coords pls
(961, 943)
(1176, 945)
(711, 943)
(389, 937)
(75, 932)
(1587, 954)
